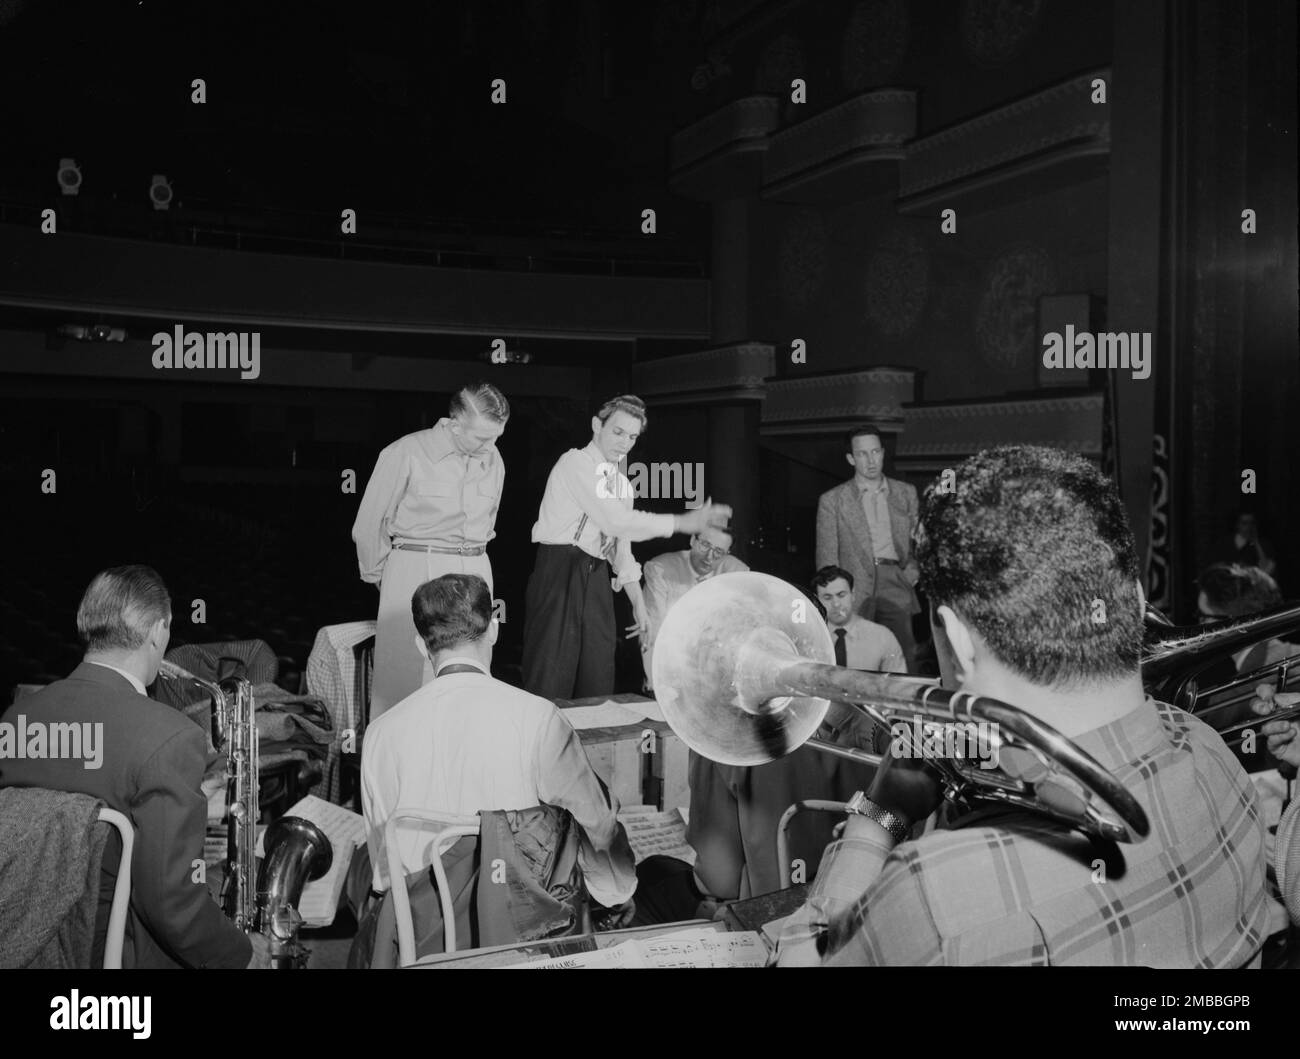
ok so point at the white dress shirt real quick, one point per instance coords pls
(869, 645)
(465, 743)
(589, 503)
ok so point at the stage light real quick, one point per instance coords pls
(160, 192)
(69, 176)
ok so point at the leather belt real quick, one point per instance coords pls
(886, 562)
(464, 549)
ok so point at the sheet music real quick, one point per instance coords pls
(604, 715)
(346, 831)
(697, 947)
(653, 832)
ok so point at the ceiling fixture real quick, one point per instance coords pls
(160, 192)
(69, 176)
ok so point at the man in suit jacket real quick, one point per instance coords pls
(865, 527)
(142, 758)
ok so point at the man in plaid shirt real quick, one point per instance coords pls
(1032, 577)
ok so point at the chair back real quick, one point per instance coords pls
(818, 805)
(453, 828)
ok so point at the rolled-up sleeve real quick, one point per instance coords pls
(813, 934)
(565, 779)
(613, 515)
(383, 493)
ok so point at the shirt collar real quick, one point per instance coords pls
(461, 660)
(883, 487)
(1136, 735)
(442, 444)
(135, 681)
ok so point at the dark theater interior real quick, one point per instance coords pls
(716, 463)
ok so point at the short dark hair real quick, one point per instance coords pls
(827, 574)
(1023, 550)
(629, 403)
(480, 398)
(452, 609)
(1238, 590)
(861, 432)
(120, 606)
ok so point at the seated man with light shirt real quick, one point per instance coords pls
(466, 743)
(670, 576)
(859, 644)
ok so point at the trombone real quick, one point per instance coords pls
(744, 673)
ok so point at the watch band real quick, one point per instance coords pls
(860, 805)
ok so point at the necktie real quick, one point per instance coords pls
(841, 652)
(608, 546)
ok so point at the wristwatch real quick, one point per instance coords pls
(860, 805)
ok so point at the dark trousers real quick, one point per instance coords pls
(893, 601)
(569, 634)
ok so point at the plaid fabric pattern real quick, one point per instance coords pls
(331, 676)
(1003, 887)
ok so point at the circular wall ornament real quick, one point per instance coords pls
(802, 257)
(1006, 318)
(898, 282)
(875, 41)
(995, 31)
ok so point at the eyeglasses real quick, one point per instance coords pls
(712, 552)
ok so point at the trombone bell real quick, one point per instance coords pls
(716, 665)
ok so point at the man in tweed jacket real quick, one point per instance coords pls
(865, 526)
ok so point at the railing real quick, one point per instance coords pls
(422, 242)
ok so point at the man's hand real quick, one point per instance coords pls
(912, 574)
(907, 787)
(1283, 736)
(617, 917)
(640, 621)
(711, 514)
(261, 958)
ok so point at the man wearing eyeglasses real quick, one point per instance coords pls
(670, 576)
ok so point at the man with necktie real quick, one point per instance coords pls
(429, 509)
(865, 526)
(859, 644)
(584, 533)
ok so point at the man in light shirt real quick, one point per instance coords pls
(584, 533)
(466, 743)
(670, 576)
(429, 509)
(858, 643)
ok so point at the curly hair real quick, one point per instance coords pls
(1032, 549)
(1238, 590)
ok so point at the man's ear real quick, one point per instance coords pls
(959, 639)
(493, 630)
(595, 424)
(848, 458)
(422, 647)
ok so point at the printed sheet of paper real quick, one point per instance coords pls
(696, 947)
(652, 832)
(346, 831)
(605, 715)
